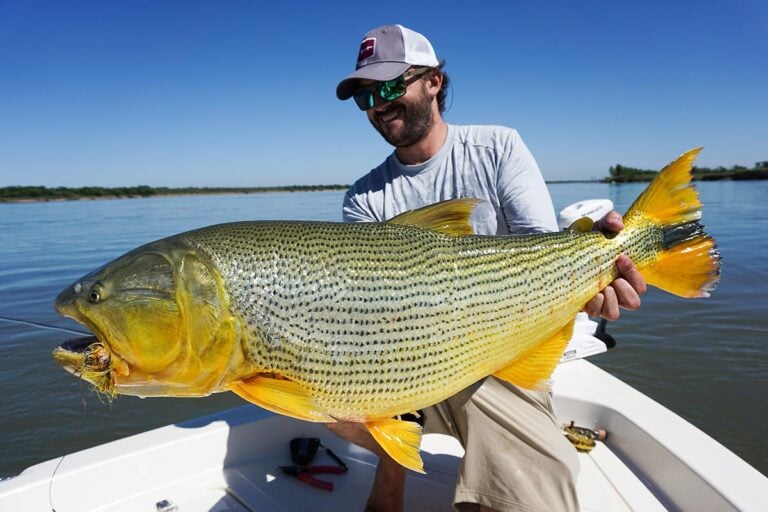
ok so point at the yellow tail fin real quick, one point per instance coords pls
(689, 264)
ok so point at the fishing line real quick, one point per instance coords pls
(50, 483)
(39, 325)
(79, 430)
(61, 460)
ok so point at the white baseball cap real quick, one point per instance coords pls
(387, 52)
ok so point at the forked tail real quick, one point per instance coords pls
(689, 263)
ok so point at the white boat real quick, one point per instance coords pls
(652, 460)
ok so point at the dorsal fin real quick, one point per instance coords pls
(449, 217)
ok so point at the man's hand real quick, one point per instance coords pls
(625, 290)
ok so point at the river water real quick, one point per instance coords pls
(705, 359)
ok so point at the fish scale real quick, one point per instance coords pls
(344, 302)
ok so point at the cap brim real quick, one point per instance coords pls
(380, 71)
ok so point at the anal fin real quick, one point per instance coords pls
(400, 439)
(281, 396)
(534, 369)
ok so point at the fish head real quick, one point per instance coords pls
(158, 316)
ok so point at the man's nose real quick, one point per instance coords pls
(378, 102)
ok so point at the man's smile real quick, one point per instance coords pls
(389, 115)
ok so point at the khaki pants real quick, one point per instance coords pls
(517, 457)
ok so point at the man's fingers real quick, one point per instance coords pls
(626, 296)
(629, 273)
(595, 305)
(610, 309)
(623, 292)
(610, 223)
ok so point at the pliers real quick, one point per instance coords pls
(304, 473)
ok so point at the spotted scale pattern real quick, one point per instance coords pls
(375, 320)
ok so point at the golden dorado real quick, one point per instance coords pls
(330, 322)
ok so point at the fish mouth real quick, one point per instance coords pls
(78, 345)
(90, 359)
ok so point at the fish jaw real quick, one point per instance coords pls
(160, 326)
(91, 360)
(86, 357)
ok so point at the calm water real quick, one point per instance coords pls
(706, 359)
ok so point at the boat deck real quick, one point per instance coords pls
(252, 482)
(653, 460)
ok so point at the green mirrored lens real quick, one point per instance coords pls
(392, 89)
(364, 99)
(389, 90)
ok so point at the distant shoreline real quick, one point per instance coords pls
(622, 174)
(43, 194)
(37, 194)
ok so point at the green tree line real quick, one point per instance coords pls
(624, 174)
(41, 193)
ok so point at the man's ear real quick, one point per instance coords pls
(434, 81)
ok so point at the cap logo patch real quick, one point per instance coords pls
(367, 49)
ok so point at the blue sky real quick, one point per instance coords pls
(241, 93)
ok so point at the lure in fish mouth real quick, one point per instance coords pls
(86, 357)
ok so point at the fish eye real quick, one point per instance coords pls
(94, 295)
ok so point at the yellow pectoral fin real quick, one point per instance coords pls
(533, 370)
(281, 396)
(400, 439)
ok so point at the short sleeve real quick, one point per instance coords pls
(353, 211)
(523, 195)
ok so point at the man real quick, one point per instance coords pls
(516, 455)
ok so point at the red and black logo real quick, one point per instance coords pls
(367, 49)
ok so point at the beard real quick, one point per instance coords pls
(417, 120)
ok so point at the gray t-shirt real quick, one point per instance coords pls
(486, 162)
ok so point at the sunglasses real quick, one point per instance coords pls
(389, 90)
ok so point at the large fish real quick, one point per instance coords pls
(329, 321)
